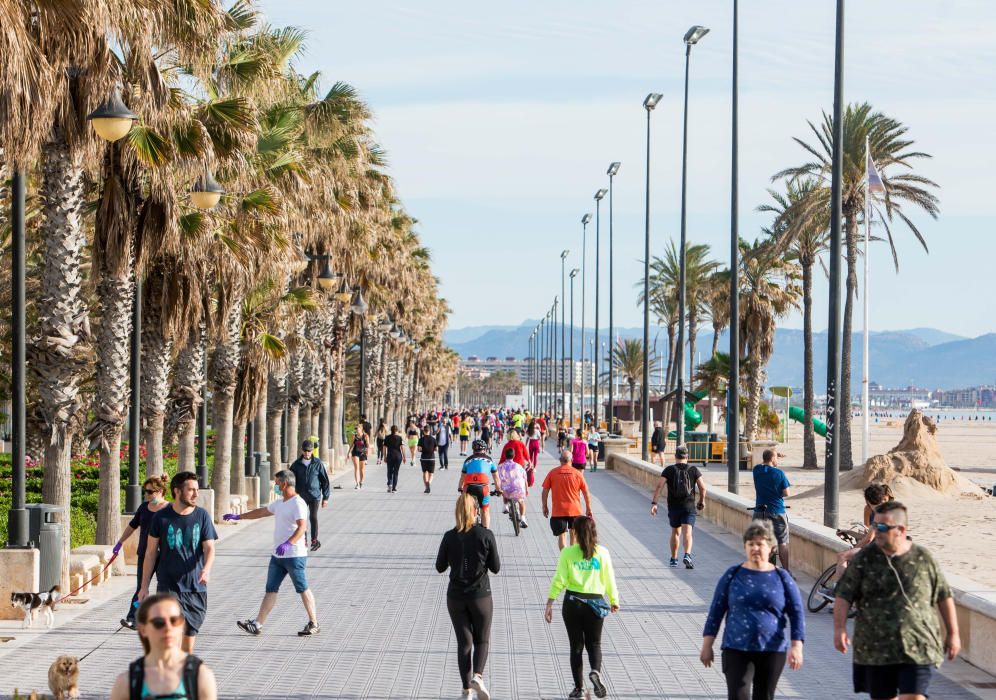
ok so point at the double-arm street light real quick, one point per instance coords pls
(649, 103)
(692, 37)
(585, 220)
(598, 254)
(611, 172)
(574, 273)
(563, 335)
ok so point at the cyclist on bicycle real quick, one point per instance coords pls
(477, 471)
(513, 479)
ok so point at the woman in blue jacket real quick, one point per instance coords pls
(758, 601)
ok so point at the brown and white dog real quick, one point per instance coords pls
(63, 678)
(32, 602)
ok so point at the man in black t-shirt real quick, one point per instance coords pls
(427, 456)
(394, 455)
(681, 480)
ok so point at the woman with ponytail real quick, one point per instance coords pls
(154, 492)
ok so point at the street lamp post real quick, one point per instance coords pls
(585, 220)
(563, 332)
(574, 273)
(17, 519)
(133, 491)
(692, 37)
(553, 366)
(202, 469)
(733, 382)
(649, 103)
(359, 307)
(611, 172)
(598, 256)
(832, 465)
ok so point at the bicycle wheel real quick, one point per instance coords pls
(818, 598)
(513, 513)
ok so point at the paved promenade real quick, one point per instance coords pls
(385, 630)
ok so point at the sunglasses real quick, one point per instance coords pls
(150, 491)
(882, 527)
(160, 622)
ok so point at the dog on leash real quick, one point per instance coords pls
(63, 678)
(30, 603)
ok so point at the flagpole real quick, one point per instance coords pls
(864, 354)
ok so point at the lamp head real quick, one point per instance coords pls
(694, 33)
(344, 293)
(112, 120)
(574, 273)
(613, 168)
(586, 219)
(206, 192)
(327, 278)
(395, 332)
(564, 253)
(360, 305)
(601, 193)
(651, 100)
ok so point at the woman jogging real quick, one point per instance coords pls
(533, 438)
(361, 443)
(412, 434)
(394, 455)
(469, 551)
(585, 572)
(381, 434)
(154, 492)
(579, 451)
(758, 601)
(165, 670)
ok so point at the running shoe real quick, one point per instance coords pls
(125, 622)
(477, 683)
(596, 680)
(361, 485)
(688, 561)
(356, 487)
(504, 510)
(673, 563)
(523, 523)
(426, 489)
(315, 545)
(250, 626)
(389, 489)
(576, 694)
(309, 629)
(394, 490)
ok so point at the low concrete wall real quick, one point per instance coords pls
(815, 547)
(18, 574)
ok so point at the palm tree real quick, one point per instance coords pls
(806, 239)
(626, 357)
(768, 292)
(890, 148)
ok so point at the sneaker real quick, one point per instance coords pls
(394, 490)
(576, 694)
(426, 489)
(361, 485)
(687, 559)
(596, 680)
(128, 622)
(356, 487)
(477, 683)
(389, 489)
(309, 629)
(522, 523)
(673, 563)
(315, 546)
(250, 626)
(504, 510)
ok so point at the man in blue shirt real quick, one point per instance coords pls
(771, 486)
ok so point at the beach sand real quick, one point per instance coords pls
(960, 530)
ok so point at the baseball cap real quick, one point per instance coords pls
(680, 451)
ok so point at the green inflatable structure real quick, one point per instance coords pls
(798, 415)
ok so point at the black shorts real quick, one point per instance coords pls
(681, 515)
(194, 606)
(892, 679)
(561, 524)
(428, 465)
(360, 454)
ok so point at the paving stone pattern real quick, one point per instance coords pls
(385, 630)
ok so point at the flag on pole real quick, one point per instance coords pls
(875, 183)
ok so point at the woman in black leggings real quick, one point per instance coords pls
(393, 455)
(469, 551)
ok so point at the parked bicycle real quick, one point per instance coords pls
(822, 593)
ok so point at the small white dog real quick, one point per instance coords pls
(31, 602)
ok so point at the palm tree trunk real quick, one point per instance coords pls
(293, 421)
(156, 360)
(238, 458)
(324, 421)
(276, 404)
(693, 331)
(716, 332)
(185, 400)
(843, 423)
(259, 424)
(808, 433)
(304, 423)
(755, 386)
(225, 362)
(57, 355)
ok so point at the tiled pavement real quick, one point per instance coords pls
(385, 630)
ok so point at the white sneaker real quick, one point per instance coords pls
(477, 683)
(356, 487)
(504, 510)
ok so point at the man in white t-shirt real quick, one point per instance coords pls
(290, 555)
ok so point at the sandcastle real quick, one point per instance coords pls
(915, 464)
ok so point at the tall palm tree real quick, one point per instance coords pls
(805, 238)
(626, 357)
(768, 291)
(891, 149)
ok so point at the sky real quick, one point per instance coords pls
(500, 120)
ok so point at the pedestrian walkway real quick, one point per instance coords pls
(385, 630)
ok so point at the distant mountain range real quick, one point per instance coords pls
(926, 357)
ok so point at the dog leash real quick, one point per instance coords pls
(92, 579)
(100, 645)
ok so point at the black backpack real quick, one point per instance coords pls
(683, 487)
(136, 677)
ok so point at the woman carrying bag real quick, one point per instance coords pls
(759, 601)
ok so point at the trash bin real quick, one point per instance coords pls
(601, 452)
(698, 446)
(45, 533)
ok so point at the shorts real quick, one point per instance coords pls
(512, 494)
(779, 524)
(676, 517)
(360, 454)
(284, 566)
(194, 606)
(481, 493)
(892, 679)
(428, 465)
(578, 466)
(561, 524)
(530, 477)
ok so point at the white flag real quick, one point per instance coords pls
(875, 183)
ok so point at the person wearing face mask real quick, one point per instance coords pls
(313, 486)
(290, 555)
(154, 491)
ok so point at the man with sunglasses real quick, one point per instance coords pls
(896, 585)
(312, 480)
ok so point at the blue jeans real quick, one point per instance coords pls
(286, 566)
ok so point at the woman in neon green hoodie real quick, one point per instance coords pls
(585, 572)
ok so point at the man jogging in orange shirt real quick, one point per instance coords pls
(567, 484)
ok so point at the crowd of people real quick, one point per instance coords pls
(895, 585)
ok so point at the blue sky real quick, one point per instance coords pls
(500, 120)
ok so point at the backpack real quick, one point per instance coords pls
(136, 677)
(683, 487)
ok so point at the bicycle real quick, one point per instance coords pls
(821, 594)
(515, 516)
(763, 509)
